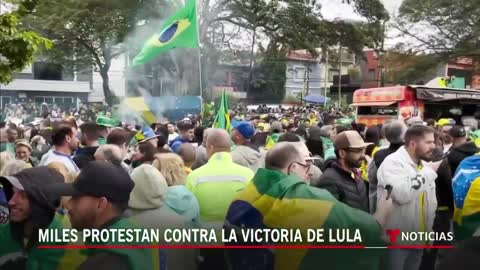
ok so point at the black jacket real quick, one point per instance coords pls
(84, 156)
(459, 153)
(443, 186)
(383, 153)
(351, 191)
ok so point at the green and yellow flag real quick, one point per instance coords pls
(179, 31)
(222, 120)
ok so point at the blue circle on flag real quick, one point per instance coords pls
(168, 33)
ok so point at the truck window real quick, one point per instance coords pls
(390, 110)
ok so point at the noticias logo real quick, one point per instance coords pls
(418, 236)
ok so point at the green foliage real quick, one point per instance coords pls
(85, 34)
(407, 68)
(444, 27)
(17, 47)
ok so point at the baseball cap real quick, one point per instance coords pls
(23, 143)
(245, 128)
(416, 121)
(446, 122)
(349, 139)
(457, 132)
(146, 134)
(38, 182)
(100, 179)
(106, 121)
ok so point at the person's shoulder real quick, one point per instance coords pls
(106, 260)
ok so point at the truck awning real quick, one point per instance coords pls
(438, 94)
(374, 104)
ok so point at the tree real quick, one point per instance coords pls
(86, 33)
(443, 27)
(17, 47)
(408, 68)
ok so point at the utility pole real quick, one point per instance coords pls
(326, 77)
(304, 82)
(340, 78)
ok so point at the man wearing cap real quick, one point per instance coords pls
(32, 204)
(461, 149)
(244, 152)
(341, 177)
(23, 151)
(186, 135)
(147, 135)
(105, 124)
(100, 195)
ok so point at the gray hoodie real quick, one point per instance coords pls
(148, 209)
(247, 156)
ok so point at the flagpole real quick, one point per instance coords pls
(199, 50)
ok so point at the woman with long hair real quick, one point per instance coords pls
(179, 198)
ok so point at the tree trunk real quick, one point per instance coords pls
(106, 87)
(252, 59)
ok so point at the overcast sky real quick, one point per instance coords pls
(332, 9)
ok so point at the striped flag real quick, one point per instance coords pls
(273, 200)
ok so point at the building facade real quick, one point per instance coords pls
(314, 75)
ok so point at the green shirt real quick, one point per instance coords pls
(36, 259)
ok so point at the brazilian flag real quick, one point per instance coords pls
(274, 200)
(179, 31)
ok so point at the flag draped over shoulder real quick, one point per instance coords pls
(179, 31)
(273, 200)
(222, 120)
(466, 195)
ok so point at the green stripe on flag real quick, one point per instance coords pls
(179, 31)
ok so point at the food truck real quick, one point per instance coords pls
(377, 105)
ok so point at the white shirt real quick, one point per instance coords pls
(172, 137)
(54, 156)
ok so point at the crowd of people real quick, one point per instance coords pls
(297, 167)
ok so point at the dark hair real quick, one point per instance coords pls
(184, 126)
(60, 132)
(315, 147)
(149, 151)
(118, 136)
(329, 119)
(90, 129)
(259, 139)
(279, 159)
(162, 130)
(416, 132)
(289, 137)
(301, 130)
(198, 132)
(360, 128)
(430, 122)
(341, 129)
(372, 136)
